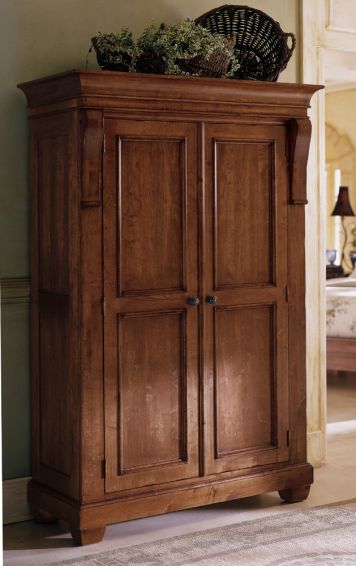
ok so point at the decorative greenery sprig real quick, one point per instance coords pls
(181, 49)
(183, 42)
(118, 49)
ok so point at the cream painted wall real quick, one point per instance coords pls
(41, 37)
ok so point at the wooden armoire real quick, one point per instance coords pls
(168, 323)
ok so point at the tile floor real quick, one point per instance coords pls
(31, 544)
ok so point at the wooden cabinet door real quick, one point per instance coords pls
(150, 332)
(246, 329)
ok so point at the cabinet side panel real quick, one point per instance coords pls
(91, 306)
(55, 388)
(91, 355)
(53, 218)
(54, 292)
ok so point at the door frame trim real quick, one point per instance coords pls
(312, 71)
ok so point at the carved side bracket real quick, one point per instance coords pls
(299, 141)
(91, 158)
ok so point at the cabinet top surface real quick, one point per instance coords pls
(98, 88)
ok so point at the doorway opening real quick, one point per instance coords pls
(340, 170)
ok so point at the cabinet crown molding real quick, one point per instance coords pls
(172, 93)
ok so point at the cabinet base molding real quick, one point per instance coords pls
(87, 536)
(87, 522)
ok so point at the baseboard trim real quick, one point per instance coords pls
(15, 504)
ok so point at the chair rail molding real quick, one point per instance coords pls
(15, 290)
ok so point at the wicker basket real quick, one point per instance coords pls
(261, 46)
(216, 66)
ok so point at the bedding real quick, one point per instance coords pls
(342, 282)
(341, 308)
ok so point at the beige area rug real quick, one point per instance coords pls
(320, 536)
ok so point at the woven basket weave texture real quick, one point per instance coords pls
(216, 66)
(261, 46)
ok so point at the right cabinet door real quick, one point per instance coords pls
(246, 316)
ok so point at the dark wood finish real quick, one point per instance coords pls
(341, 354)
(42, 516)
(91, 129)
(151, 353)
(87, 536)
(173, 498)
(247, 329)
(243, 208)
(294, 494)
(147, 191)
(299, 140)
(166, 94)
(54, 259)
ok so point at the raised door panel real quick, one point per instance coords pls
(153, 390)
(243, 249)
(244, 347)
(246, 271)
(150, 334)
(152, 215)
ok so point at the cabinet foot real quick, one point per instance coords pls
(295, 494)
(42, 516)
(87, 536)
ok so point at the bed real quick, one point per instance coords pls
(341, 324)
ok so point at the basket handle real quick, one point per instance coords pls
(290, 49)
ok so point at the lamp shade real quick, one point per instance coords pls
(343, 206)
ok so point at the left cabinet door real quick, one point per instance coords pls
(150, 331)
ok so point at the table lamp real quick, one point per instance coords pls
(343, 208)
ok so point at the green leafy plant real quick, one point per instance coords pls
(116, 51)
(182, 49)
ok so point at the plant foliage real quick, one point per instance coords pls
(183, 42)
(118, 49)
(164, 49)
